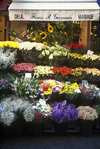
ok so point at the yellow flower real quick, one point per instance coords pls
(50, 28)
(34, 39)
(45, 43)
(56, 43)
(43, 35)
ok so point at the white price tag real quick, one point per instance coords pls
(28, 75)
(90, 52)
(84, 81)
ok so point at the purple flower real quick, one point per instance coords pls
(63, 112)
(1, 80)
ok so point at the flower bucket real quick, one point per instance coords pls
(17, 127)
(60, 129)
(86, 127)
(37, 129)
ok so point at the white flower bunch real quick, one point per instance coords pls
(92, 57)
(28, 114)
(7, 59)
(8, 117)
(19, 104)
(31, 45)
(42, 70)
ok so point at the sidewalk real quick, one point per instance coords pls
(72, 140)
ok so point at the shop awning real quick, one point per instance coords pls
(57, 10)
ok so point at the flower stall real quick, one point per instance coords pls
(44, 76)
(34, 95)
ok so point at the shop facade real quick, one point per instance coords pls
(80, 12)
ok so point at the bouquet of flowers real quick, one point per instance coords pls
(41, 111)
(27, 88)
(37, 112)
(77, 48)
(88, 91)
(71, 91)
(11, 110)
(61, 73)
(24, 67)
(62, 112)
(7, 59)
(5, 82)
(87, 113)
(51, 88)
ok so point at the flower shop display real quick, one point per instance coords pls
(49, 33)
(61, 73)
(61, 113)
(54, 55)
(27, 88)
(24, 67)
(43, 72)
(87, 115)
(71, 92)
(77, 75)
(30, 51)
(37, 113)
(88, 92)
(6, 79)
(51, 89)
(7, 59)
(9, 44)
(77, 48)
(11, 115)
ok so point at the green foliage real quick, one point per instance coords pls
(28, 88)
(51, 34)
(95, 44)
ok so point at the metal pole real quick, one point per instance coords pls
(88, 35)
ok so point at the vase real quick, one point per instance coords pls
(82, 101)
(60, 129)
(17, 127)
(37, 129)
(86, 127)
(1, 129)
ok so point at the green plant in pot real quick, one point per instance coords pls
(87, 115)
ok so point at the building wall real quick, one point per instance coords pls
(84, 26)
(18, 25)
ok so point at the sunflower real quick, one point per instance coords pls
(45, 43)
(43, 35)
(50, 28)
(56, 43)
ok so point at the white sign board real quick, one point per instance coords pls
(53, 15)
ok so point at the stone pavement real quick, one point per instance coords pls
(72, 140)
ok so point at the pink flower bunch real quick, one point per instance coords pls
(24, 67)
(76, 46)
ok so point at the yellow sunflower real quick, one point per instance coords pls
(56, 43)
(50, 28)
(45, 43)
(43, 35)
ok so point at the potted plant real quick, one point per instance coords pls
(61, 113)
(88, 92)
(11, 115)
(52, 89)
(71, 92)
(37, 113)
(87, 115)
(26, 88)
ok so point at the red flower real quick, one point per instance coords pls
(45, 88)
(38, 115)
